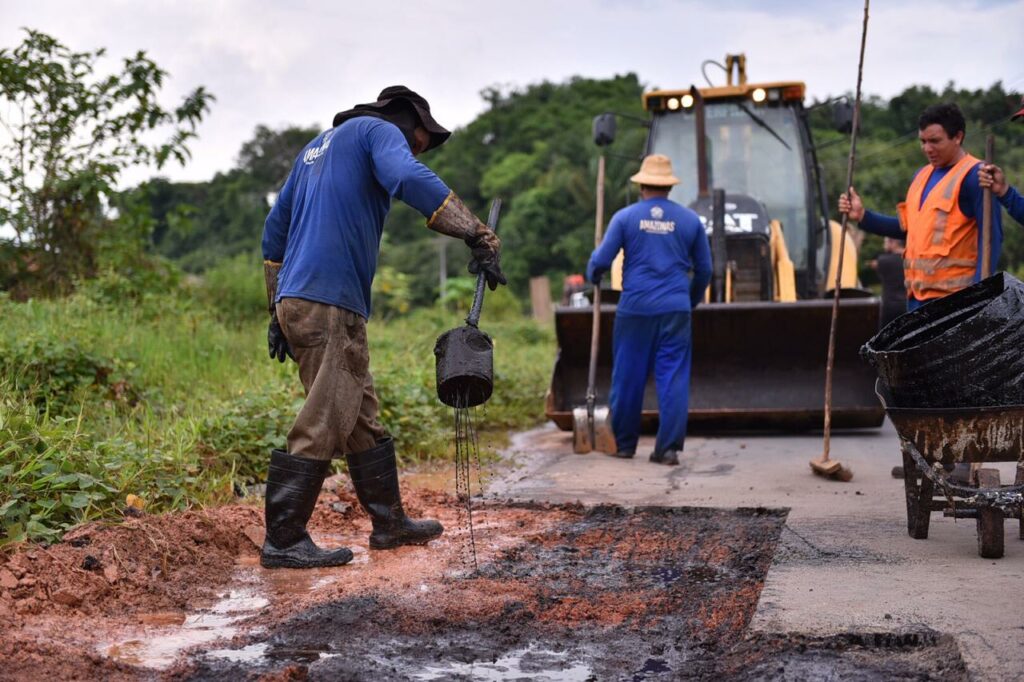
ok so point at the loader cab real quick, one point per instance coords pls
(757, 145)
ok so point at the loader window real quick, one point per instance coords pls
(744, 158)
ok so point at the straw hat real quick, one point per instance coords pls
(656, 171)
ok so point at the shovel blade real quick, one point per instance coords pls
(592, 433)
(604, 438)
(582, 443)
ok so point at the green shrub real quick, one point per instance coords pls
(241, 433)
(235, 289)
(58, 374)
(56, 474)
(165, 400)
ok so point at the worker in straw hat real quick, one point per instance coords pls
(666, 269)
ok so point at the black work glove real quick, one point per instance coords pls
(486, 258)
(276, 341)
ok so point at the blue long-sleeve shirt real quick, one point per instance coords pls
(326, 224)
(1013, 202)
(663, 242)
(971, 202)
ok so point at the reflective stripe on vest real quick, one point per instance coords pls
(942, 243)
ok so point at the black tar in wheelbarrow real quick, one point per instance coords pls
(951, 379)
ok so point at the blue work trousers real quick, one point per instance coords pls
(643, 344)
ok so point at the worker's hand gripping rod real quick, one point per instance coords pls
(478, 297)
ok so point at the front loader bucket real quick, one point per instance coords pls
(756, 366)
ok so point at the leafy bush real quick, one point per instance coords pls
(58, 374)
(77, 434)
(391, 293)
(235, 289)
(241, 433)
(145, 278)
(498, 305)
(55, 474)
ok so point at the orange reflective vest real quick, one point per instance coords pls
(942, 243)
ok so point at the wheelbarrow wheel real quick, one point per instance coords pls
(990, 533)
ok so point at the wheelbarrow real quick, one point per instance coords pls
(935, 440)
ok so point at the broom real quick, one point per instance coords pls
(830, 468)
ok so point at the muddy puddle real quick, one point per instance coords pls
(560, 592)
(582, 594)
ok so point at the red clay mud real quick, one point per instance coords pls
(565, 590)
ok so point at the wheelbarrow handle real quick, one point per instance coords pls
(481, 281)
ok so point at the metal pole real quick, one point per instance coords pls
(718, 250)
(702, 152)
(830, 363)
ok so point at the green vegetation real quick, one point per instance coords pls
(68, 132)
(172, 397)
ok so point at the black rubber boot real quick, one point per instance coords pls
(375, 477)
(293, 484)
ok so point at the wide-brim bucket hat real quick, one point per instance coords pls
(395, 93)
(656, 171)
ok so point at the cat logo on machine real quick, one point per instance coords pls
(743, 214)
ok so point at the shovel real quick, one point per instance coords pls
(465, 355)
(591, 425)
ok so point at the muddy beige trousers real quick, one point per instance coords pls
(340, 412)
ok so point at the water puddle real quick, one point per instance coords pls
(252, 654)
(161, 649)
(166, 634)
(263, 653)
(531, 663)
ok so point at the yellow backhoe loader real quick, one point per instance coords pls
(749, 168)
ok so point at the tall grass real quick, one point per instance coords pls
(170, 395)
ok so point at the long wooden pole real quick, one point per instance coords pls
(830, 363)
(986, 216)
(595, 330)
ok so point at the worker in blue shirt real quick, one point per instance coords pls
(320, 248)
(991, 177)
(941, 214)
(663, 243)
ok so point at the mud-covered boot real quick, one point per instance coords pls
(293, 484)
(375, 477)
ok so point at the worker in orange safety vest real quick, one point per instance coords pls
(939, 218)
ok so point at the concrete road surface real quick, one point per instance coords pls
(845, 562)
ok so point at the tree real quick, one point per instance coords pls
(66, 134)
(268, 157)
(198, 224)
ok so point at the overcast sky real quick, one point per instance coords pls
(299, 62)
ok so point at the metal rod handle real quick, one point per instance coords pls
(481, 281)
